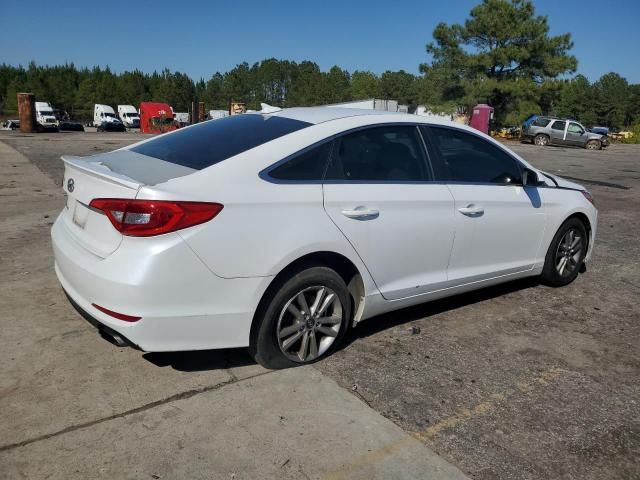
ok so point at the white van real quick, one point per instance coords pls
(216, 114)
(105, 118)
(129, 116)
(45, 116)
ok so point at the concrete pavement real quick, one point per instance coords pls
(74, 406)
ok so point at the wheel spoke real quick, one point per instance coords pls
(295, 312)
(302, 353)
(329, 332)
(285, 332)
(318, 300)
(327, 301)
(313, 345)
(562, 265)
(291, 340)
(576, 242)
(302, 302)
(329, 320)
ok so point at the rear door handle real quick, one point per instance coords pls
(361, 213)
(472, 210)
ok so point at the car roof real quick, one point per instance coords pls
(316, 115)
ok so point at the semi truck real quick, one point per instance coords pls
(104, 118)
(156, 117)
(129, 116)
(45, 117)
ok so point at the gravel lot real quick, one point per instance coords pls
(519, 381)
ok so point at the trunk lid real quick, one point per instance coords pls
(84, 180)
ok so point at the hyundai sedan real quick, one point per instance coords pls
(280, 231)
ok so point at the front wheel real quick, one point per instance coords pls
(566, 254)
(302, 319)
(594, 145)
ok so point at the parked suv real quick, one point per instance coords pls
(555, 131)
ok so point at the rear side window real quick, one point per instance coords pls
(380, 154)
(210, 142)
(471, 159)
(308, 165)
(558, 125)
(541, 122)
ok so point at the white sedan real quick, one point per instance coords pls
(280, 231)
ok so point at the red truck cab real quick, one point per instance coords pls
(156, 118)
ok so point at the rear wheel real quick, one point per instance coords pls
(541, 140)
(566, 254)
(302, 320)
(594, 145)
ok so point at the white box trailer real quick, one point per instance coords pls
(216, 114)
(372, 104)
(182, 118)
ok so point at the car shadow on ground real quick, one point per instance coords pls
(407, 315)
(201, 360)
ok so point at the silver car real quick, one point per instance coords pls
(554, 131)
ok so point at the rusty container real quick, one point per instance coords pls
(27, 112)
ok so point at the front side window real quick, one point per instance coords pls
(575, 128)
(558, 125)
(379, 154)
(208, 143)
(471, 159)
(308, 165)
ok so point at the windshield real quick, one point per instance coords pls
(159, 121)
(112, 115)
(208, 143)
(128, 115)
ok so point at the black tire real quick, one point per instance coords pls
(264, 345)
(541, 140)
(551, 274)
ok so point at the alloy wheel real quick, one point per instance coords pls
(541, 140)
(309, 324)
(569, 252)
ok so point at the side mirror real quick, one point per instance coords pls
(530, 178)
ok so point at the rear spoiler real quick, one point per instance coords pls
(97, 169)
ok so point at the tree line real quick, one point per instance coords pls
(276, 82)
(502, 55)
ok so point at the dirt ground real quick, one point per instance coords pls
(519, 381)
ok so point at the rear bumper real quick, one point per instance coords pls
(183, 305)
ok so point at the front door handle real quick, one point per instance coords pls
(472, 210)
(361, 213)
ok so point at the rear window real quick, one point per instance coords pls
(210, 142)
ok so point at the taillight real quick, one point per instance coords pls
(145, 218)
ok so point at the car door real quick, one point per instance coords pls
(557, 131)
(378, 190)
(499, 224)
(575, 134)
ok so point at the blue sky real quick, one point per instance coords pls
(202, 37)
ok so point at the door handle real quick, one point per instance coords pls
(472, 210)
(361, 213)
